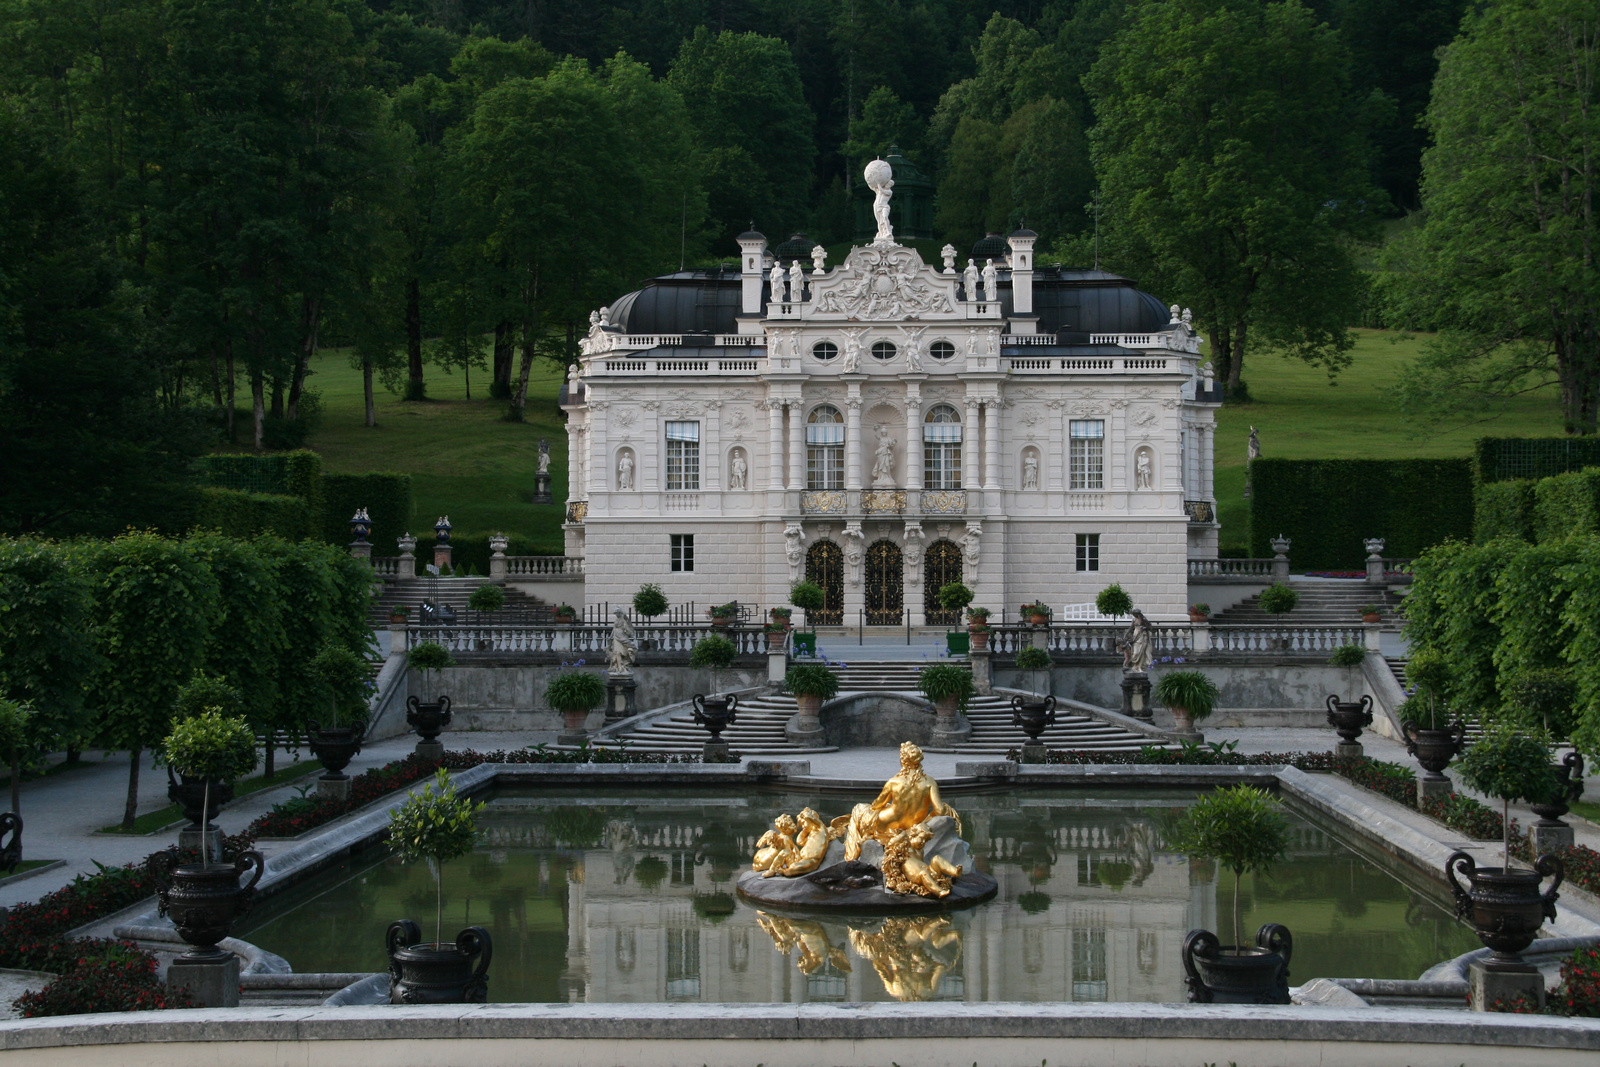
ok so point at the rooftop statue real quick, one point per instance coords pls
(880, 179)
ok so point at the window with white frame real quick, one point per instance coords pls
(825, 448)
(941, 448)
(1088, 458)
(683, 456)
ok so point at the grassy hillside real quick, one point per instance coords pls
(469, 463)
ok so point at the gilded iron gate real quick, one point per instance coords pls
(940, 567)
(825, 566)
(885, 584)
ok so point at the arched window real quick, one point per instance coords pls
(941, 448)
(825, 448)
(824, 350)
(883, 350)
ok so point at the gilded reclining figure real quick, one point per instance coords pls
(908, 799)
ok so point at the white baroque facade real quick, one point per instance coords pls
(885, 426)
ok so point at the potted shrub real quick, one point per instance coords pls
(1036, 613)
(809, 597)
(777, 633)
(348, 678)
(1371, 613)
(436, 824)
(205, 898)
(1349, 717)
(715, 712)
(574, 693)
(949, 686)
(650, 601)
(1199, 612)
(429, 719)
(1191, 696)
(781, 617)
(722, 615)
(811, 684)
(1505, 904)
(977, 629)
(953, 597)
(1113, 600)
(1432, 735)
(566, 614)
(399, 614)
(202, 693)
(1243, 829)
(487, 597)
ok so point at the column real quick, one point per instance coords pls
(913, 441)
(651, 460)
(774, 445)
(1208, 460)
(991, 445)
(797, 446)
(852, 437)
(971, 476)
(711, 447)
(574, 441)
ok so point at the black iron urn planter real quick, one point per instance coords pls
(1034, 716)
(204, 899)
(335, 747)
(1349, 718)
(1505, 907)
(715, 713)
(438, 973)
(190, 795)
(1218, 975)
(1569, 782)
(1434, 749)
(11, 851)
(428, 720)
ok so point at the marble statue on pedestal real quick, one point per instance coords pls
(991, 282)
(1137, 644)
(778, 279)
(797, 282)
(624, 644)
(969, 280)
(883, 460)
(880, 179)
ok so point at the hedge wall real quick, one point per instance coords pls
(1329, 506)
(1566, 505)
(1500, 459)
(1503, 509)
(387, 498)
(246, 515)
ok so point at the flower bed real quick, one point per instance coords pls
(101, 976)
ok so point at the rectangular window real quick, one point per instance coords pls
(941, 455)
(683, 552)
(1088, 458)
(1088, 552)
(825, 455)
(683, 457)
(683, 963)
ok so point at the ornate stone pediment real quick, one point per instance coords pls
(885, 282)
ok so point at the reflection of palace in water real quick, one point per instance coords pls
(1090, 908)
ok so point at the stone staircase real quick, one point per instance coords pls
(453, 592)
(1329, 603)
(761, 720)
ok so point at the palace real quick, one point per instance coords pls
(885, 427)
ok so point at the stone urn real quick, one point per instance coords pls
(1504, 906)
(1348, 719)
(190, 795)
(335, 747)
(1034, 717)
(1434, 749)
(204, 899)
(1569, 783)
(438, 973)
(1238, 975)
(715, 713)
(428, 720)
(1182, 721)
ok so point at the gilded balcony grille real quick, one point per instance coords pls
(883, 501)
(822, 502)
(944, 501)
(577, 510)
(1199, 510)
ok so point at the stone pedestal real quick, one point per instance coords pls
(1136, 695)
(1348, 748)
(1034, 752)
(360, 550)
(541, 489)
(717, 752)
(1485, 985)
(430, 750)
(210, 983)
(573, 737)
(950, 727)
(334, 788)
(982, 680)
(1428, 788)
(621, 697)
(777, 665)
(1039, 637)
(441, 558)
(190, 838)
(1549, 838)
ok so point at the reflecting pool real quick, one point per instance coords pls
(628, 897)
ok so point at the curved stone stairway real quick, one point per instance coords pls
(761, 720)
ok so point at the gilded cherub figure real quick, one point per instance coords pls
(905, 871)
(812, 847)
(776, 844)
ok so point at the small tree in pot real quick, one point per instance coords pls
(347, 677)
(650, 601)
(211, 747)
(1113, 600)
(809, 597)
(436, 824)
(574, 693)
(1191, 696)
(429, 719)
(953, 597)
(1511, 766)
(1035, 715)
(949, 686)
(1432, 735)
(202, 693)
(1242, 828)
(715, 712)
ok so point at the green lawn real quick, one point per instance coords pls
(1299, 415)
(467, 462)
(464, 458)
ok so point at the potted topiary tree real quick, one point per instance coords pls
(1504, 904)
(1278, 599)
(953, 597)
(1113, 600)
(1432, 734)
(649, 602)
(1191, 696)
(487, 597)
(436, 824)
(429, 719)
(1242, 828)
(1349, 717)
(715, 712)
(205, 898)
(348, 680)
(1034, 715)
(809, 597)
(203, 692)
(574, 693)
(949, 686)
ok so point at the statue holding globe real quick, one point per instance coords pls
(880, 179)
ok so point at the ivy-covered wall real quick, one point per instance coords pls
(1329, 507)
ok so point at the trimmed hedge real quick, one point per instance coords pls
(1566, 505)
(1503, 509)
(1329, 506)
(1500, 459)
(245, 515)
(385, 495)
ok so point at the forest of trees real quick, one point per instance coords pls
(198, 195)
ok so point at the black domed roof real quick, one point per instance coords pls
(990, 246)
(699, 302)
(798, 246)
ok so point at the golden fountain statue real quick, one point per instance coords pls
(903, 850)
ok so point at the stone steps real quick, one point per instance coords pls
(454, 592)
(1321, 604)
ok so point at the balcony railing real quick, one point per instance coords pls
(1230, 568)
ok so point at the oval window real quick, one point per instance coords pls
(824, 350)
(941, 350)
(883, 350)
